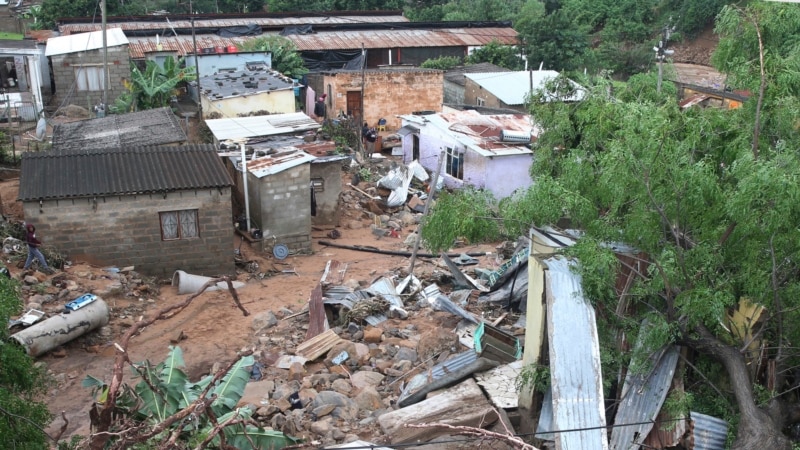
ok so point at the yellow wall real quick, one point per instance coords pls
(274, 102)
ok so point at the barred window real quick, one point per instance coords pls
(179, 224)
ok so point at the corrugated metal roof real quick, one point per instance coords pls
(258, 126)
(403, 38)
(453, 364)
(155, 23)
(237, 83)
(576, 379)
(710, 433)
(85, 41)
(642, 397)
(278, 162)
(151, 127)
(139, 47)
(513, 88)
(479, 132)
(120, 171)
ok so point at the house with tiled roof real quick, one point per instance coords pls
(157, 208)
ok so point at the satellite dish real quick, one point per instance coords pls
(41, 128)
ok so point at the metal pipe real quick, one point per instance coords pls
(244, 184)
(42, 337)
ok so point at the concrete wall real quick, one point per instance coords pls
(64, 75)
(501, 175)
(387, 93)
(275, 102)
(126, 231)
(281, 206)
(473, 91)
(328, 199)
(453, 93)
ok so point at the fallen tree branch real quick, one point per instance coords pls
(363, 248)
(105, 416)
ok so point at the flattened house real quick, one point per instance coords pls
(156, 208)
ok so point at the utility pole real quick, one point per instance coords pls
(105, 57)
(361, 118)
(196, 71)
(428, 201)
(661, 53)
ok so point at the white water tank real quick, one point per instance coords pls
(521, 137)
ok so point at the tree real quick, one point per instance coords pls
(285, 58)
(154, 87)
(466, 10)
(498, 54)
(23, 416)
(552, 39)
(441, 63)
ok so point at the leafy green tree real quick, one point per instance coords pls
(154, 87)
(552, 39)
(334, 5)
(23, 416)
(441, 63)
(477, 10)
(498, 54)
(285, 58)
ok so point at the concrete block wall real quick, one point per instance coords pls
(388, 93)
(284, 207)
(473, 90)
(327, 200)
(126, 231)
(453, 93)
(64, 75)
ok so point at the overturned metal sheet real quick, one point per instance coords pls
(385, 288)
(317, 319)
(710, 433)
(460, 279)
(442, 303)
(544, 430)
(318, 345)
(334, 273)
(500, 384)
(453, 364)
(578, 402)
(643, 395)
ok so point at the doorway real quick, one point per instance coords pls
(354, 105)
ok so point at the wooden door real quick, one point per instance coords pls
(354, 105)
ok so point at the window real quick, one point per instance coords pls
(455, 163)
(179, 224)
(89, 78)
(481, 102)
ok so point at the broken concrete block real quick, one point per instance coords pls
(463, 404)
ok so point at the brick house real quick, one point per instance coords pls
(156, 208)
(77, 64)
(386, 92)
(157, 126)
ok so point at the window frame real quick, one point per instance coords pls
(453, 154)
(186, 224)
(82, 74)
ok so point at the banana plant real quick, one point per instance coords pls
(165, 389)
(154, 87)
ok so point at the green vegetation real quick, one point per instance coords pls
(23, 416)
(709, 195)
(500, 55)
(285, 58)
(166, 393)
(154, 87)
(441, 63)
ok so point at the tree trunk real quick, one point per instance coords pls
(756, 428)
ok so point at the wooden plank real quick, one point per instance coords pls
(317, 346)
(317, 320)
(463, 404)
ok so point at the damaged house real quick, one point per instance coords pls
(489, 152)
(157, 208)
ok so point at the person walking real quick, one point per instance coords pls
(33, 250)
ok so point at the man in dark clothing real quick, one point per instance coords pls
(33, 249)
(320, 108)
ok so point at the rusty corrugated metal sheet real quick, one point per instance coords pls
(575, 375)
(708, 433)
(120, 171)
(400, 38)
(666, 433)
(334, 272)
(643, 393)
(138, 47)
(155, 23)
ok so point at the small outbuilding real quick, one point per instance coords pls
(156, 208)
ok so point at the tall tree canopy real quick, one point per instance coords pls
(709, 197)
(285, 58)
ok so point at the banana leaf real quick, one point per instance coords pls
(237, 435)
(230, 390)
(170, 383)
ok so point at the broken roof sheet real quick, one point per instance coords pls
(237, 83)
(278, 162)
(576, 379)
(258, 126)
(150, 127)
(481, 133)
(710, 433)
(85, 41)
(122, 171)
(513, 88)
(643, 395)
